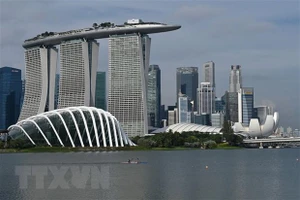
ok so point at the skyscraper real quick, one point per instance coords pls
(206, 98)
(10, 96)
(231, 106)
(128, 72)
(78, 67)
(101, 90)
(235, 79)
(208, 73)
(41, 62)
(184, 116)
(154, 96)
(187, 83)
(245, 105)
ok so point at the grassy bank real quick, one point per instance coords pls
(85, 149)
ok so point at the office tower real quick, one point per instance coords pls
(184, 116)
(10, 96)
(217, 119)
(100, 101)
(187, 83)
(206, 98)
(41, 62)
(78, 67)
(231, 103)
(245, 105)
(203, 119)
(208, 73)
(219, 105)
(56, 91)
(172, 116)
(163, 112)
(128, 71)
(154, 96)
(235, 79)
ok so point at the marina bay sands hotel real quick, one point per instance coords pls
(129, 52)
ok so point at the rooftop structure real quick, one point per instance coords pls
(98, 31)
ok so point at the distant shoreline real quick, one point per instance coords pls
(97, 149)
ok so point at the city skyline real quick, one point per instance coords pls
(269, 61)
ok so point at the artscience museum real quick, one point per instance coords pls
(72, 127)
(255, 129)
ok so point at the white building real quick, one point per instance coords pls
(41, 63)
(78, 70)
(208, 73)
(128, 71)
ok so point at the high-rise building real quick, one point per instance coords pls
(235, 79)
(78, 67)
(217, 119)
(245, 105)
(41, 62)
(56, 91)
(231, 103)
(184, 115)
(208, 73)
(10, 96)
(203, 119)
(100, 101)
(128, 72)
(187, 83)
(154, 96)
(206, 98)
(219, 105)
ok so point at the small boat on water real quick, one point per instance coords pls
(132, 162)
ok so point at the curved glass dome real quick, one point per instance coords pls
(72, 127)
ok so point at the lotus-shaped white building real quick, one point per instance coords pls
(72, 127)
(256, 129)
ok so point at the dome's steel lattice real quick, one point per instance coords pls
(188, 127)
(72, 127)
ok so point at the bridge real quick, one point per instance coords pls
(272, 142)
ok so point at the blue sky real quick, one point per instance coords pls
(261, 36)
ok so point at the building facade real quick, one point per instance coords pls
(154, 96)
(206, 96)
(231, 109)
(219, 105)
(245, 105)
(10, 96)
(127, 75)
(187, 83)
(217, 119)
(56, 92)
(78, 67)
(235, 79)
(208, 73)
(184, 115)
(41, 62)
(100, 101)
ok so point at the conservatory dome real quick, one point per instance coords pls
(72, 127)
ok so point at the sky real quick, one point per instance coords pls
(261, 36)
